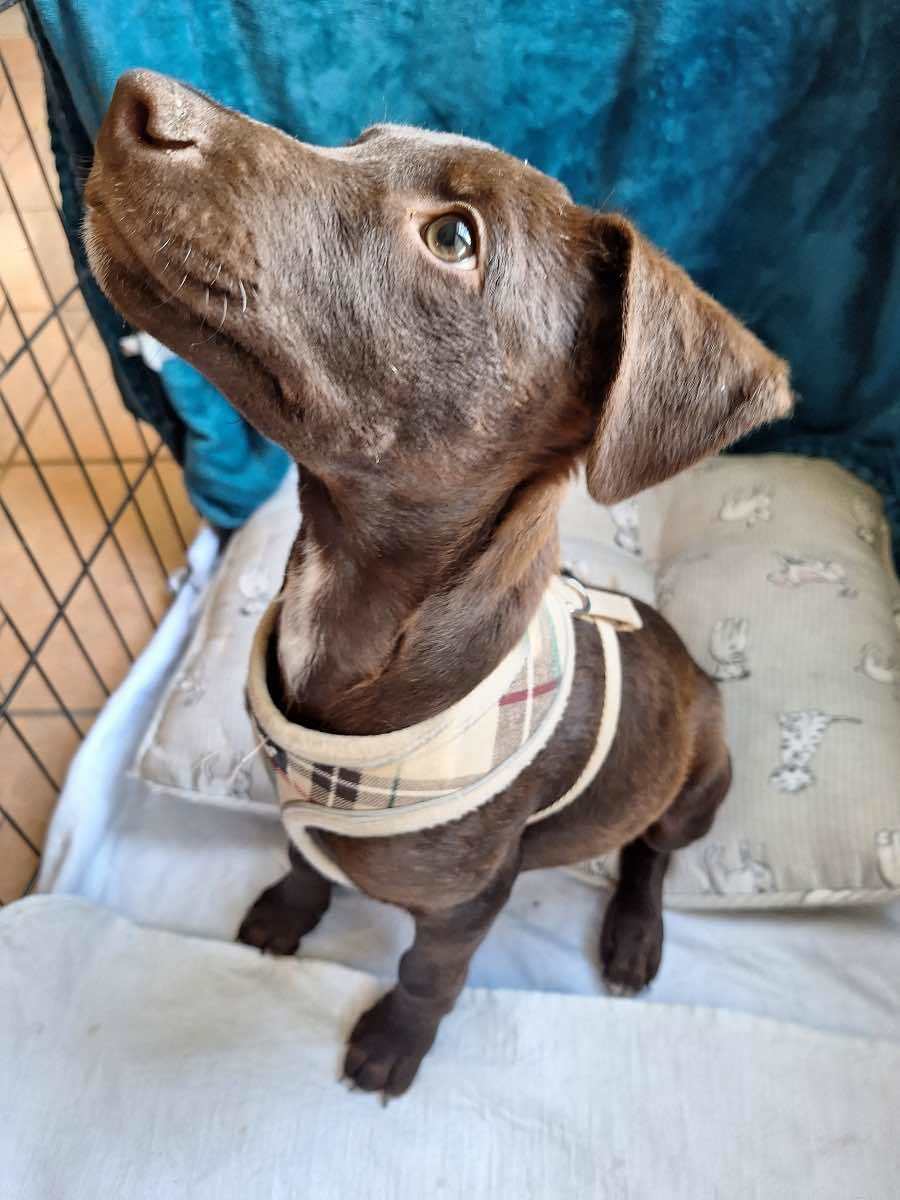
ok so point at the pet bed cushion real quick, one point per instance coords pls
(776, 572)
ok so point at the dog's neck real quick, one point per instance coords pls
(393, 610)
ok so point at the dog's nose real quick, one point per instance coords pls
(152, 115)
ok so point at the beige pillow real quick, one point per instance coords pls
(776, 572)
(199, 744)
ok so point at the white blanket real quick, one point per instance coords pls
(147, 1065)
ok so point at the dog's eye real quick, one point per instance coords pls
(452, 239)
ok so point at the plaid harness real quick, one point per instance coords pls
(443, 768)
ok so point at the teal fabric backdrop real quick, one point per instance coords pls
(758, 141)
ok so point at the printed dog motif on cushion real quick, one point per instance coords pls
(748, 877)
(881, 666)
(797, 572)
(878, 665)
(192, 683)
(801, 733)
(750, 506)
(728, 648)
(626, 519)
(222, 774)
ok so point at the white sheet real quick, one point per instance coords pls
(169, 863)
(145, 1065)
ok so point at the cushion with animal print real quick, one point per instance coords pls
(776, 572)
(199, 745)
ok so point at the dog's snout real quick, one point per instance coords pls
(147, 123)
(151, 114)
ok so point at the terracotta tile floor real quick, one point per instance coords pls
(77, 601)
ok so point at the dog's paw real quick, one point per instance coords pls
(274, 926)
(630, 948)
(386, 1048)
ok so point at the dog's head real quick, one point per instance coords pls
(414, 303)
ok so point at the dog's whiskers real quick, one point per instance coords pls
(243, 295)
(162, 247)
(203, 322)
(219, 327)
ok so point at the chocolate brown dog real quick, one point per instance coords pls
(438, 336)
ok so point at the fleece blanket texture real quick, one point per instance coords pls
(145, 1065)
(755, 141)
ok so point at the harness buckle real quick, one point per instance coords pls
(575, 585)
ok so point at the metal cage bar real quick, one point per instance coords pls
(92, 530)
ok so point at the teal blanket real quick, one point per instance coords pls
(757, 141)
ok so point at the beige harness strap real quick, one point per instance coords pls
(609, 612)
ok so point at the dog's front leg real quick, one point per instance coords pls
(288, 910)
(391, 1039)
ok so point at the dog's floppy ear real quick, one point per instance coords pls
(689, 379)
